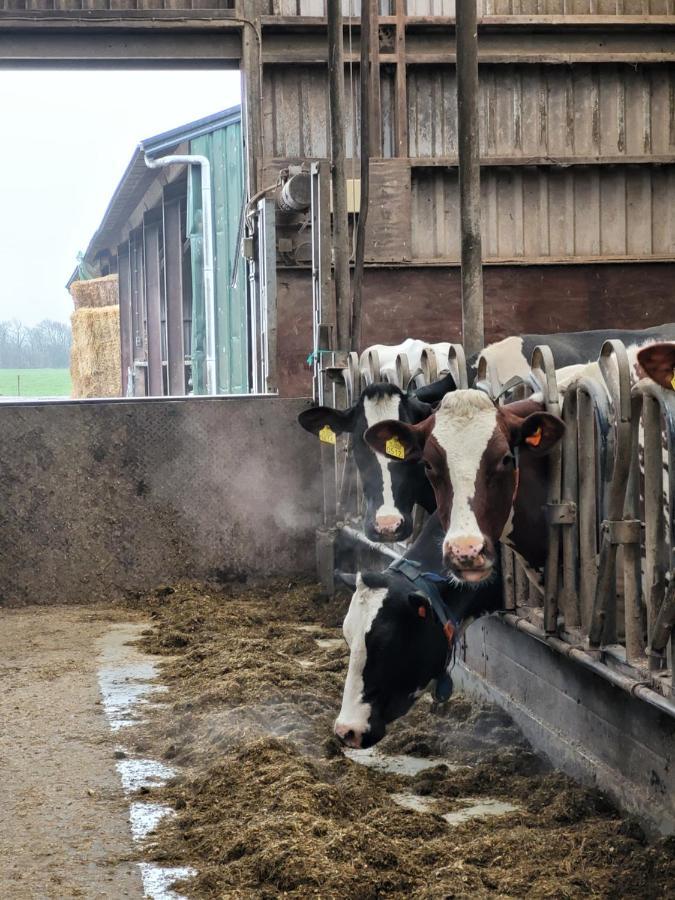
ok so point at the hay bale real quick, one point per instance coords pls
(95, 293)
(95, 366)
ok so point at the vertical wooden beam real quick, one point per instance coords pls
(138, 329)
(336, 96)
(367, 140)
(126, 347)
(466, 35)
(401, 136)
(173, 291)
(375, 148)
(251, 100)
(153, 307)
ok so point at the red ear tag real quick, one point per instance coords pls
(534, 439)
(422, 612)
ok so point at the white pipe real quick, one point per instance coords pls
(207, 231)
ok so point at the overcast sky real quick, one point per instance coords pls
(67, 139)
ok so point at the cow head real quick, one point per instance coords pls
(391, 487)
(468, 448)
(396, 647)
(658, 362)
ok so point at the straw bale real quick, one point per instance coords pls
(96, 292)
(95, 367)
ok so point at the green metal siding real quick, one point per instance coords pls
(223, 149)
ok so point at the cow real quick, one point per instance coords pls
(391, 488)
(657, 361)
(401, 629)
(511, 357)
(488, 468)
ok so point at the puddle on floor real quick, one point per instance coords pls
(479, 808)
(398, 764)
(127, 680)
(126, 677)
(414, 802)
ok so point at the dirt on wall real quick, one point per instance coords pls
(267, 805)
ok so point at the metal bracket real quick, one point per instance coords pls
(622, 531)
(562, 513)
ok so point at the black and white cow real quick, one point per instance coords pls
(391, 488)
(398, 642)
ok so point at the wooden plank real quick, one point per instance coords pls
(389, 222)
(153, 309)
(173, 287)
(401, 82)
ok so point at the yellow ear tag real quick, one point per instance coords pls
(327, 435)
(672, 381)
(394, 447)
(535, 438)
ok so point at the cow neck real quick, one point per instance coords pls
(426, 583)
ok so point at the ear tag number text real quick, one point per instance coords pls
(394, 447)
(327, 435)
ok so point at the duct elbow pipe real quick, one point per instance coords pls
(207, 230)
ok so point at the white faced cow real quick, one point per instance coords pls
(488, 467)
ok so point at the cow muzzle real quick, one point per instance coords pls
(466, 557)
(389, 526)
(348, 736)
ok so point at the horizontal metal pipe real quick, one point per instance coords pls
(629, 685)
(356, 537)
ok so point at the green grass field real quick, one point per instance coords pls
(34, 383)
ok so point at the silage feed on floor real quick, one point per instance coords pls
(267, 805)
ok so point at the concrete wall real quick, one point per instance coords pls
(99, 497)
(584, 725)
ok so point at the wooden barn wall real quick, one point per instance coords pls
(424, 302)
(485, 7)
(604, 110)
(534, 213)
(72, 6)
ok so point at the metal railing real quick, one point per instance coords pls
(606, 599)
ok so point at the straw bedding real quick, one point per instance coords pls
(267, 806)
(95, 292)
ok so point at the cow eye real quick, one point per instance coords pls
(507, 461)
(427, 465)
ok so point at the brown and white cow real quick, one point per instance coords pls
(658, 363)
(488, 468)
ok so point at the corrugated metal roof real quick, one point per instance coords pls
(137, 178)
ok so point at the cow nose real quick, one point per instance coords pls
(348, 736)
(463, 549)
(388, 524)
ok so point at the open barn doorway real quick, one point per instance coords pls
(114, 281)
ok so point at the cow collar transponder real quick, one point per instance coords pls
(425, 584)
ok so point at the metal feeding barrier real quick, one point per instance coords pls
(606, 598)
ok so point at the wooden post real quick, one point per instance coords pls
(336, 96)
(367, 139)
(466, 36)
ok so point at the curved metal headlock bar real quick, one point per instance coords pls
(403, 374)
(487, 379)
(542, 362)
(658, 417)
(615, 529)
(429, 364)
(457, 366)
(587, 416)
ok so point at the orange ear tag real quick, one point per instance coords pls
(422, 612)
(395, 448)
(327, 435)
(672, 381)
(534, 439)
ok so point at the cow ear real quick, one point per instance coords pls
(338, 420)
(433, 393)
(396, 440)
(420, 606)
(346, 578)
(539, 433)
(658, 362)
